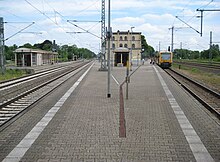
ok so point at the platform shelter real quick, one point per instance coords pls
(34, 57)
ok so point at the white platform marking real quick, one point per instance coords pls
(197, 147)
(115, 80)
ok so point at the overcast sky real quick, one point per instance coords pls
(151, 17)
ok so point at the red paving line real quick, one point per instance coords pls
(122, 126)
(122, 123)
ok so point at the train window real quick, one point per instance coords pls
(165, 56)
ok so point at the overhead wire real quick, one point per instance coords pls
(46, 16)
(62, 17)
(74, 24)
(79, 12)
(182, 10)
(195, 15)
(55, 11)
(204, 6)
(38, 27)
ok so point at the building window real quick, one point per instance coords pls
(113, 38)
(121, 45)
(121, 38)
(126, 46)
(126, 38)
(133, 46)
(133, 38)
(113, 46)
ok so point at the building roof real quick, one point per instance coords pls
(126, 32)
(29, 50)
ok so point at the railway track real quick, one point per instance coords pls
(214, 68)
(13, 88)
(16, 106)
(212, 65)
(209, 98)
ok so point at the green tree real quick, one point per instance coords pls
(9, 52)
(26, 45)
(46, 45)
(148, 51)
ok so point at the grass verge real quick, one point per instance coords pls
(209, 79)
(12, 74)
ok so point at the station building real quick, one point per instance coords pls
(34, 57)
(125, 46)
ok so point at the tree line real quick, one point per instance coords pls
(212, 53)
(65, 52)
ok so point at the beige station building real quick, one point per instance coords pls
(34, 57)
(125, 46)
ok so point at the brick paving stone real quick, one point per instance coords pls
(86, 128)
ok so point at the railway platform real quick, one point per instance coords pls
(163, 122)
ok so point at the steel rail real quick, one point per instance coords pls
(36, 73)
(28, 105)
(216, 95)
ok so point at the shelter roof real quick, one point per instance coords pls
(29, 50)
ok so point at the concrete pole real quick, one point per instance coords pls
(210, 48)
(22, 59)
(159, 46)
(201, 22)
(2, 58)
(109, 38)
(131, 48)
(172, 39)
(181, 47)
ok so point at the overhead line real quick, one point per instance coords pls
(86, 8)
(83, 29)
(45, 15)
(207, 4)
(76, 20)
(36, 25)
(188, 25)
(19, 31)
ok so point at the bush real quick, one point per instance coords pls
(12, 74)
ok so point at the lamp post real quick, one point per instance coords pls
(142, 57)
(131, 48)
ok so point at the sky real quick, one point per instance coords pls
(153, 18)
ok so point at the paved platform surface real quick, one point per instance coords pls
(163, 123)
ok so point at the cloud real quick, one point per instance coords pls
(159, 19)
(152, 18)
(129, 20)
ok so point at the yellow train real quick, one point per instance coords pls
(165, 59)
